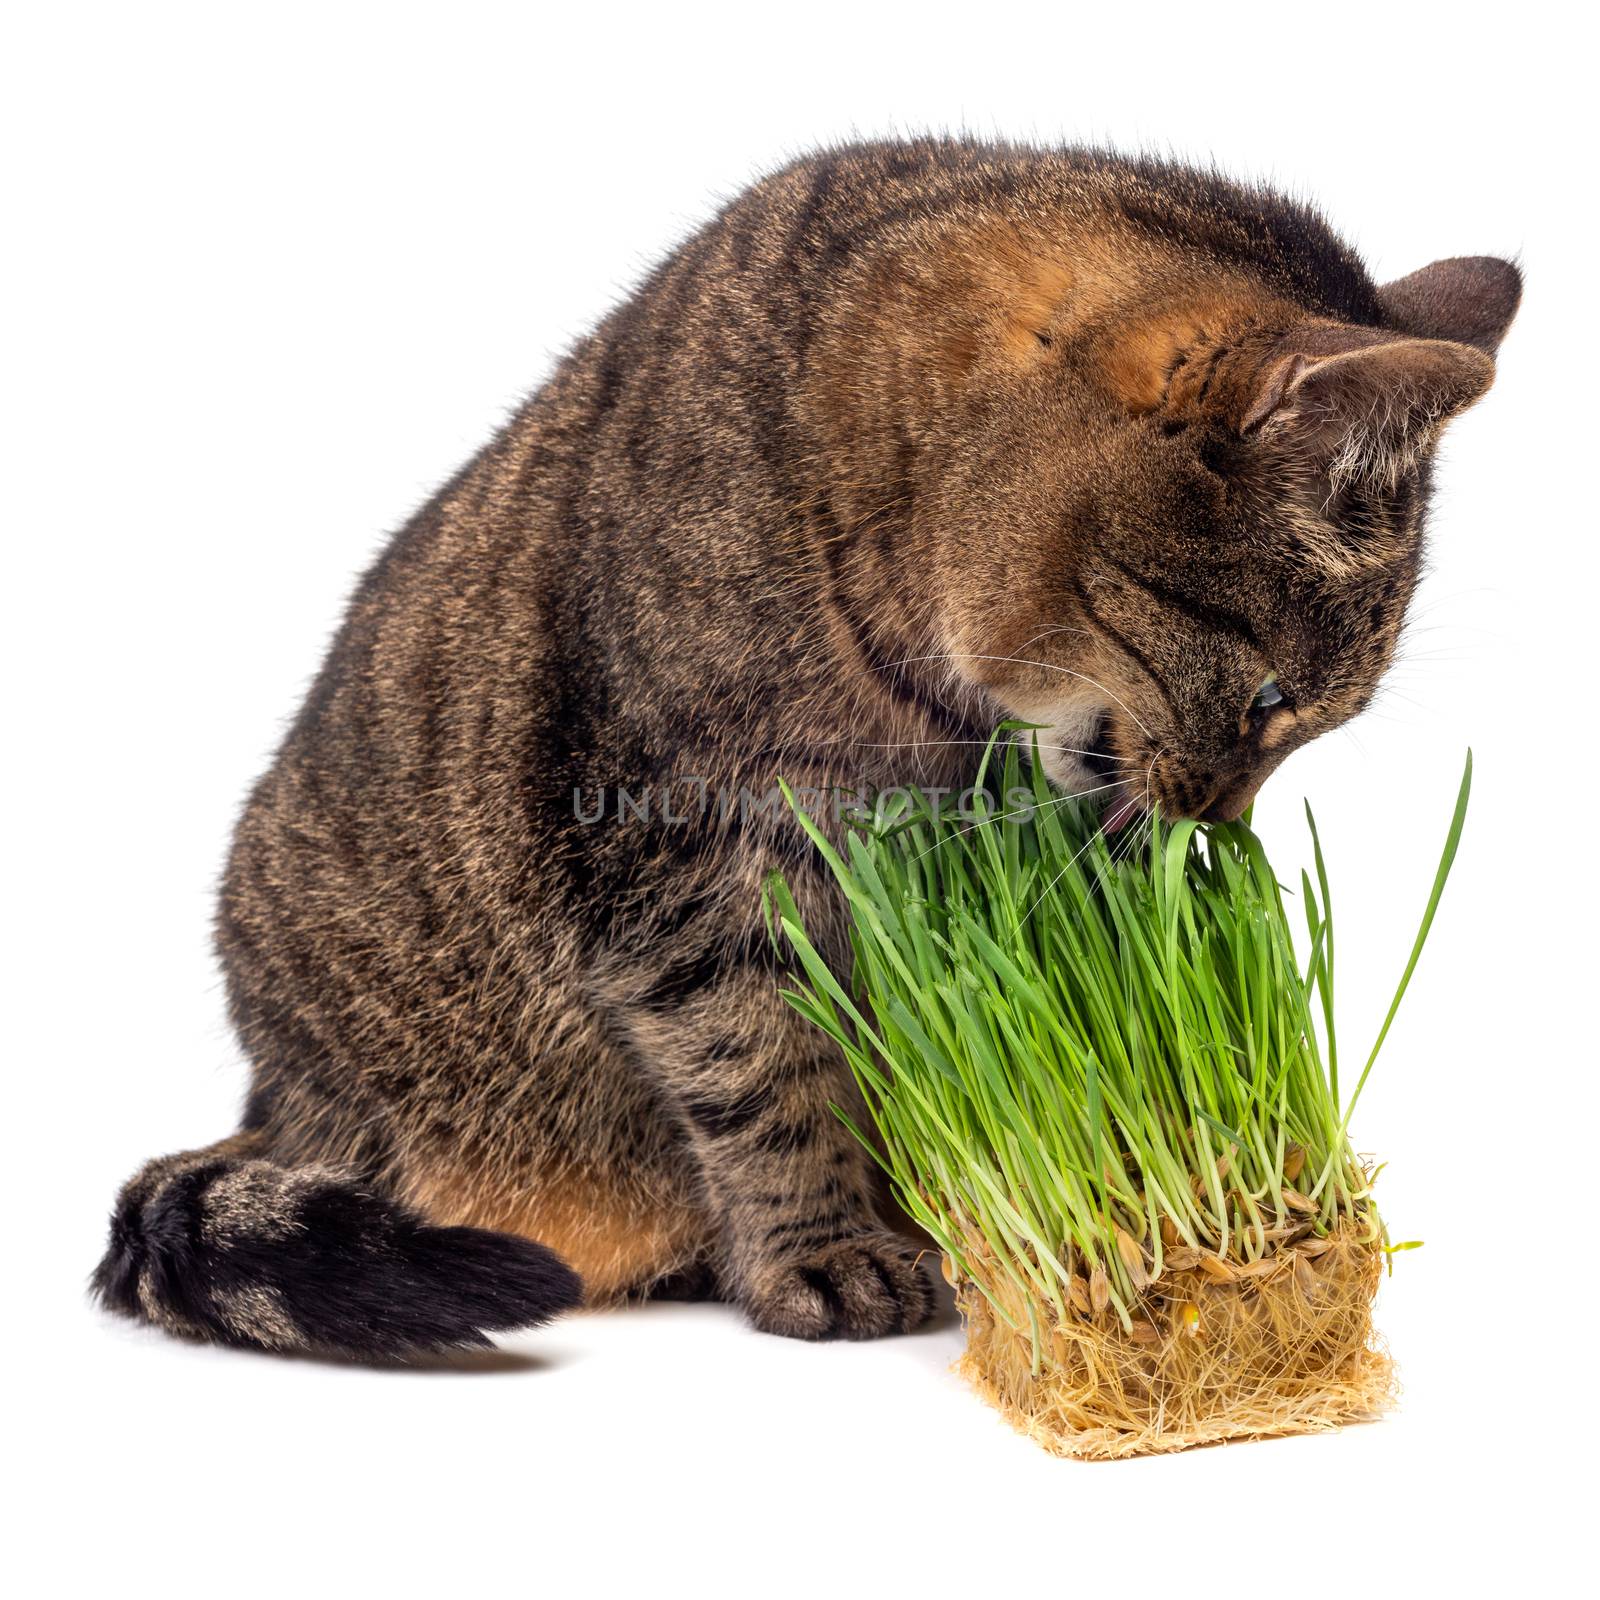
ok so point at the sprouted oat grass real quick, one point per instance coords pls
(1108, 1086)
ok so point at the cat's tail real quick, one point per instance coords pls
(223, 1244)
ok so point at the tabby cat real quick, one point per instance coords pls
(911, 438)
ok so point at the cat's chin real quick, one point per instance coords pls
(1070, 775)
(1078, 759)
(1067, 738)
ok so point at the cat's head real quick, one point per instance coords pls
(1188, 595)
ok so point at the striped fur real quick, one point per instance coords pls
(910, 437)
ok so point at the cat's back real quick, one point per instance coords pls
(631, 529)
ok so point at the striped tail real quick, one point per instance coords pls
(221, 1244)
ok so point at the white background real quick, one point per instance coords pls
(272, 273)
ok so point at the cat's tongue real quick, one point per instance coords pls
(1119, 814)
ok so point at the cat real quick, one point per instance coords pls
(911, 438)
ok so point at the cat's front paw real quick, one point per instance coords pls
(861, 1287)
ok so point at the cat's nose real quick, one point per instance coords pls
(1231, 802)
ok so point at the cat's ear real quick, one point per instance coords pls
(1468, 299)
(1358, 403)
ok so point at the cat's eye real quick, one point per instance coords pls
(1268, 695)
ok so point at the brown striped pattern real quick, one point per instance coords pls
(898, 411)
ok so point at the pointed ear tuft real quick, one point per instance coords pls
(1468, 299)
(1359, 404)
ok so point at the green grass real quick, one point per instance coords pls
(1064, 1044)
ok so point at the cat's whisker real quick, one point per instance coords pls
(1049, 887)
(1088, 633)
(1025, 661)
(1132, 834)
(1059, 800)
(910, 744)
